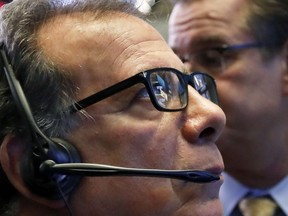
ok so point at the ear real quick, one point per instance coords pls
(12, 150)
(285, 84)
(285, 72)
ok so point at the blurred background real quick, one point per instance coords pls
(158, 18)
(160, 15)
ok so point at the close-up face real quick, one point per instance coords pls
(249, 85)
(126, 129)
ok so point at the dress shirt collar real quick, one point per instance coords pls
(232, 191)
(280, 194)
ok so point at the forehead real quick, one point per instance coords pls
(107, 48)
(79, 32)
(114, 35)
(206, 20)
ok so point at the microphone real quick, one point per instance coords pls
(89, 169)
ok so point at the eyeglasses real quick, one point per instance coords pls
(215, 59)
(166, 87)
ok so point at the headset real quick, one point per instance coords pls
(53, 168)
(42, 147)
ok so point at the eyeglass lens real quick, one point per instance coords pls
(205, 85)
(170, 88)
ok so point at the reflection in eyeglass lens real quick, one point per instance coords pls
(167, 89)
(201, 85)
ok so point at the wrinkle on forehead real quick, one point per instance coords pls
(194, 23)
(188, 14)
(100, 53)
(112, 38)
(136, 51)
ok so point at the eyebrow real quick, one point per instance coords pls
(210, 40)
(202, 42)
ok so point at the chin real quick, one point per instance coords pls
(212, 208)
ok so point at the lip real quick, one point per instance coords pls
(216, 170)
(217, 183)
(212, 174)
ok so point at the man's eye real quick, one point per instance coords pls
(142, 101)
(209, 59)
(143, 93)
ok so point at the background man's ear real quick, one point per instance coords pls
(12, 151)
(285, 84)
(285, 73)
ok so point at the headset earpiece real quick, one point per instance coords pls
(51, 186)
(48, 185)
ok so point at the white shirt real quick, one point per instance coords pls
(232, 191)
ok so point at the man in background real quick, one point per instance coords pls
(243, 45)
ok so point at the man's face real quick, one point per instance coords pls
(125, 129)
(249, 87)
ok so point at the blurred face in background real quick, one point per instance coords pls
(250, 87)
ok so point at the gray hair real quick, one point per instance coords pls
(48, 88)
(268, 23)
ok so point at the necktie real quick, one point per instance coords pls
(257, 206)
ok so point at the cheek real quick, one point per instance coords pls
(131, 143)
(145, 144)
(249, 95)
(125, 141)
(117, 196)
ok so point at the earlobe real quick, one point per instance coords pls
(12, 150)
(285, 84)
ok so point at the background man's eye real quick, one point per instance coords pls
(209, 58)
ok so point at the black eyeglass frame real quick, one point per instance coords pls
(224, 48)
(235, 47)
(141, 77)
(221, 58)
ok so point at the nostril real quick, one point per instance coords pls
(207, 132)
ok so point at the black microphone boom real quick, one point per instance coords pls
(87, 169)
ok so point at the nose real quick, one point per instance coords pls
(203, 120)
